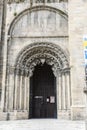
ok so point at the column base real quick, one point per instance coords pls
(64, 114)
(3, 116)
(78, 112)
(15, 115)
(21, 115)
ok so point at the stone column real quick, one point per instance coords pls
(6, 92)
(11, 88)
(3, 55)
(60, 92)
(63, 91)
(20, 96)
(25, 94)
(57, 92)
(16, 89)
(68, 90)
(26, 91)
(23, 89)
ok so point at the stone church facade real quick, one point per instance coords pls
(41, 59)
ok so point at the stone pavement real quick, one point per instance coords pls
(42, 124)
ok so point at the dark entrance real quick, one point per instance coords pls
(43, 93)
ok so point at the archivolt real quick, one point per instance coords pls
(38, 53)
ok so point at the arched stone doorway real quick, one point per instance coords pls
(43, 93)
(37, 24)
(32, 56)
(18, 91)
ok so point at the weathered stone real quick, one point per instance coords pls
(41, 32)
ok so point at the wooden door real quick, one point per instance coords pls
(43, 93)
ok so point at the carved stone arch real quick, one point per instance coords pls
(36, 8)
(38, 53)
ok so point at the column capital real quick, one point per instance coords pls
(17, 71)
(22, 72)
(65, 70)
(11, 69)
(26, 72)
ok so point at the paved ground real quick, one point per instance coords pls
(43, 124)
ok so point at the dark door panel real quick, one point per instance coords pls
(43, 90)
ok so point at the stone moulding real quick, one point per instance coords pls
(36, 8)
(39, 53)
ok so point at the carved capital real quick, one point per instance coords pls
(26, 72)
(17, 71)
(11, 70)
(41, 53)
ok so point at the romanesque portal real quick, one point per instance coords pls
(41, 59)
(40, 80)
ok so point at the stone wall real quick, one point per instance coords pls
(77, 29)
(28, 28)
(1, 6)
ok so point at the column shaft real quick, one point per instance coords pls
(63, 91)
(16, 84)
(23, 91)
(60, 93)
(57, 91)
(28, 89)
(68, 92)
(6, 97)
(20, 106)
(25, 94)
(11, 91)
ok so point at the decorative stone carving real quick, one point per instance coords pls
(10, 69)
(16, 1)
(39, 1)
(39, 53)
(17, 71)
(26, 72)
(45, 20)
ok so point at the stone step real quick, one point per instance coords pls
(42, 124)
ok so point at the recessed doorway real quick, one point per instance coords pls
(43, 93)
